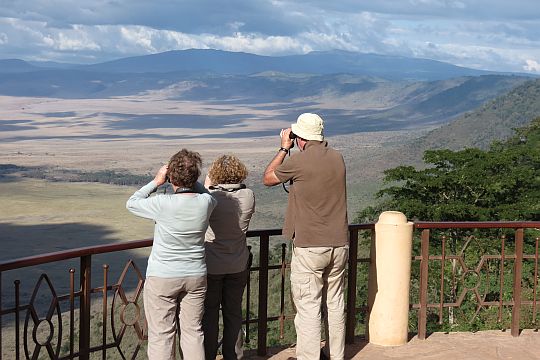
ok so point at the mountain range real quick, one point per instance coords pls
(239, 63)
(361, 92)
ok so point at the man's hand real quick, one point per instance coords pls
(286, 142)
(269, 177)
(161, 175)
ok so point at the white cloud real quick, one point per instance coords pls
(139, 36)
(458, 5)
(176, 40)
(75, 40)
(532, 65)
(235, 26)
(487, 34)
(256, 44)
(49, 41)
(439, 4)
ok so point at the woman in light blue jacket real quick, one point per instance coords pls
(176, 272)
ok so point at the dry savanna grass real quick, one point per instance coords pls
(140, 132)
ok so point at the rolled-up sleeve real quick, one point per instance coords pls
(287, 170)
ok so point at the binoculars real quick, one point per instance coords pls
(292, 136)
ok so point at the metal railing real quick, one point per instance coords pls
(80, 293)
(77, 340)
(75, 310)
(449, 277)
(263, 285)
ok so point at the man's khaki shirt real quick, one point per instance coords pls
(317, 206)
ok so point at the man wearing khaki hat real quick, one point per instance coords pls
(316, 221)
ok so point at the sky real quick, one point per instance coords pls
(497, 35)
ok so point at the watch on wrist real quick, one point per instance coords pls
(283, 149)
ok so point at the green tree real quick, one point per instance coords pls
(502, 183)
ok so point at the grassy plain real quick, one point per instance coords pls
(137, 134)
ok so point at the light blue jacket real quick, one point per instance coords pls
(181, 221)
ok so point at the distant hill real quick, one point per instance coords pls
(16, 66)
(53, 64)
(239, 63)
(318, 62)
(495, 120)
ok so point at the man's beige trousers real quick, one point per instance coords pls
(317, 283)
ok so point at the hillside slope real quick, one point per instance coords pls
(494, 120)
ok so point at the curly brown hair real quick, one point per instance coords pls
(227, 169)
(184, 168)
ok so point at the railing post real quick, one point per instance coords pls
(535, 280)
(84, 314)
(1, 315)
(248, 294)
(104, 310)
(351, 286)
(17, 319)
(501, 279)
(518, 265)
(391, 268)
(422, 313)
(263, 295)
(282, 291)
(71, 311)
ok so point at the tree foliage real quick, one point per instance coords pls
(502, 183)
(498, 184)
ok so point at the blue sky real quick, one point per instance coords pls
(501, 35)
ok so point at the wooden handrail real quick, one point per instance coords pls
(136, 244)
(477, 224)
(126, 245)
(72, 254)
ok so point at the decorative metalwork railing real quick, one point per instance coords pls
(61, 326)
(42, 334)
(121, 309)
(264, 267)
(490, 278)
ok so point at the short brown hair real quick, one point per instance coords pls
(184, 168)
(227, 169)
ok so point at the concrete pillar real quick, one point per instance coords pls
(389, 280)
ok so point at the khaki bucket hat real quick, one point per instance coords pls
(309, 126)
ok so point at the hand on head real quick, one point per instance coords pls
(207, 182)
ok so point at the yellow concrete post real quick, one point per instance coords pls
(389, 280)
